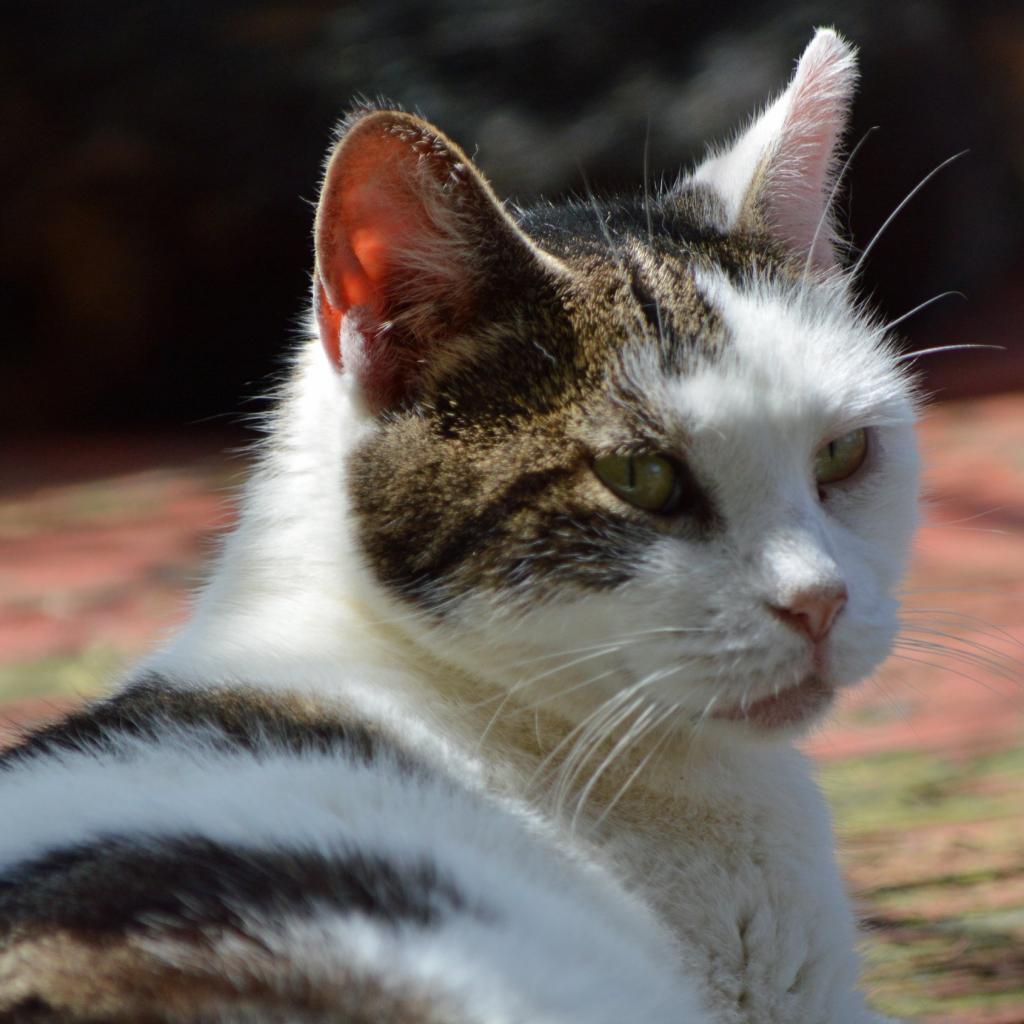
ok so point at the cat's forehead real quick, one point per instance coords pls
(771, 359)
(640, 298)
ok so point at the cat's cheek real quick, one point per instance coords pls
(863, 641)
(880, 510)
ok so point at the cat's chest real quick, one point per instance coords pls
(752, 894)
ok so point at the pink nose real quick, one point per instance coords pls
(812, 611)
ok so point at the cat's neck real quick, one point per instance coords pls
(278, 596)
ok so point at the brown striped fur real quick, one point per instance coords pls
(243, 718)
(67, 977)
(478, 478)
(458, 490)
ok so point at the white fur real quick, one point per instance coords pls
(537, 924)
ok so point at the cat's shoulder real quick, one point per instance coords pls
(245, 854)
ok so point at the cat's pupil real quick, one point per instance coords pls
(841, 457)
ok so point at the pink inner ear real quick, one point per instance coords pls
(351, 283)
(371, 245)
(803, 165)
(370, 214)
(328, 321)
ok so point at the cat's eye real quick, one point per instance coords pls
(651, 482)
(841, 457)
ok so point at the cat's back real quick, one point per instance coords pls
(229, 854)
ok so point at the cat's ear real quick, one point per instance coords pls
(778, 176)
(411, 246)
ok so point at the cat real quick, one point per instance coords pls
(570, 519)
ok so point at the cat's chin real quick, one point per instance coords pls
(790, 710)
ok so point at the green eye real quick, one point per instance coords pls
(840, 458)
(651, 482)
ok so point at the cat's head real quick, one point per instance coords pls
(647, 451)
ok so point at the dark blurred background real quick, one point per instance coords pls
(159, 159)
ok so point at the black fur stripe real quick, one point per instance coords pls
(113, 885)
(411, 565)
(361, 1004)
(237, 719)
(479, 528)
(37, 1010)
(649, 306)
(584, 548)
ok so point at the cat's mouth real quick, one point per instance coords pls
(793, 706)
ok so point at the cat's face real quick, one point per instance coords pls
(639, 455)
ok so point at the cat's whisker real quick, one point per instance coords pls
(968, 519)
(894, 656)
(667, 717)
(570, 736)
(502, 694)
(659, 745)
(624, 741)
(887, 687)
(957, 654)
(974, 620)
(826, 211)
(708, 708)
(999, 643)
(532, 681)
(910, 356)
(963, 629)
(535, 706)
(905, 592)
(601, 726)
(921, 306)
(669, 629)
(899, 208)
(579, 752)
(994, 652)
(698, 726)
(614, 641)
(650, 225)
(902, 682)
(583, 734)
(646, 184)
(948, 668)
(588, 653)
(589, 746)
(646, 724)
(610, 645)
(698, 729)
(552, 697)
(745, 696)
